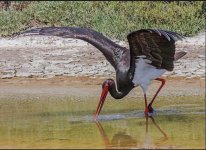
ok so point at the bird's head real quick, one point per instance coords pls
(106, 87)
(110, 86)
(109, 82)
(117, 93)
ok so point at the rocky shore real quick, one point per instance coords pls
(46, 57)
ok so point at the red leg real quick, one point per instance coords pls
(146, 108)
(150, 104)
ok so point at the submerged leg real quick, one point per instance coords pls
(146, 124)
(150, 104)
(158, 127)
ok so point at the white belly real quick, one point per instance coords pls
(145, 73)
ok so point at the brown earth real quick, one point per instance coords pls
(91, 87)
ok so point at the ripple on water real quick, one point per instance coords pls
(137, 114)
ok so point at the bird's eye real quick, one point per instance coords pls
(109, 81)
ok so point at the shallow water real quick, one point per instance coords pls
(47, 122)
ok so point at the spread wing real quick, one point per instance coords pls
(157, 45)
(112, 51)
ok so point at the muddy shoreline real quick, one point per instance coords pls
(91, 87)
(48, 57)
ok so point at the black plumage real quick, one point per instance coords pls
(157, 45)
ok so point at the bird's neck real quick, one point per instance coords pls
(120, 93)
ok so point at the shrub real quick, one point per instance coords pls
(113, 18)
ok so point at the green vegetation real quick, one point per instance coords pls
(114, 19)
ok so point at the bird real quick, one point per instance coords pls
(151, 53)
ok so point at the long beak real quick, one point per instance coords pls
(102, 99)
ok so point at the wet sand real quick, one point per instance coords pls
(91, 87)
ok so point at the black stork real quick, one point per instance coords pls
(151, 54)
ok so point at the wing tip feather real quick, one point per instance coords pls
(179, 55)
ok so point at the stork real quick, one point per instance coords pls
(152, 52)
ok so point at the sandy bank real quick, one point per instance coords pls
(51, 56)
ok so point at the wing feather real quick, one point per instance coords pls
(113, 52)
(156, 44)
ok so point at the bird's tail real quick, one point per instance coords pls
(179, 55)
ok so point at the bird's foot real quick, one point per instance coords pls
(151, 111)
(95, 117)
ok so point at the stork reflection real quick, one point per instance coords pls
(123, 140)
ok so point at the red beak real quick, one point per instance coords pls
(102, 99)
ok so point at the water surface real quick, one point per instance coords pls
(68, 122)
